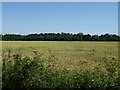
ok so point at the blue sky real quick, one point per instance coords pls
(51, 17)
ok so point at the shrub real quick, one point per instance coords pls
(26, 72)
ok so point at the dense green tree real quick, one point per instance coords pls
(59, 37)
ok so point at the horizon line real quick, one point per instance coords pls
(60, 33)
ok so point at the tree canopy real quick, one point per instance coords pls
(60, 37)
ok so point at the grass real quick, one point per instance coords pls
(66, 64)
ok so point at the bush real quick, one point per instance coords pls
(26, 72)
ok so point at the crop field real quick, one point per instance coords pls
(65, 64)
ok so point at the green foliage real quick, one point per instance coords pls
(60, 65)
(60, 37)
(26, 72)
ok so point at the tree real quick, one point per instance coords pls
(59, 37)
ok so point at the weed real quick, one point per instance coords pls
(37, 71)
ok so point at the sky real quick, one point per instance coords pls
(0, 17)
(55, 17)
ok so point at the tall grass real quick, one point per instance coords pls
(60, 65)
(26, 72)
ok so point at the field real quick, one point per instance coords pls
(70, 64)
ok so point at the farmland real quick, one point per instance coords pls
(67, 63)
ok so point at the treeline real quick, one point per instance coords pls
(60, 37)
